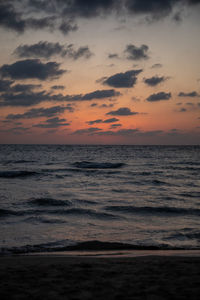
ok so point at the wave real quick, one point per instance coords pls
(97, 165)
(16, 174)
(154, 210)
(49, 202)
(86, 246)
(7, 162)
(61, 212)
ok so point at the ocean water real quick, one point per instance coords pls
(54, 196)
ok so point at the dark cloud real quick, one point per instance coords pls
(95, 122)
(99, 94)
(40, 112)
(25, 87)
(58, 87)
(89, 131)
(182, 109)
(52, 123)
(159, 97)
(32, 69)
(61, 14)
(156, 66)
(46, 50)
(24, 99)
(10, 18)
(115, 126)
(81, 52)
(191, 94)
(104, 105)
(113, 55)
(155, 80)
(123, 111)
(123, 80)
(136, 53)
(68, 26)
(5, 85)
(121, 132)
(41, 49)
(111, 120)
(40, 23)
(32, 98)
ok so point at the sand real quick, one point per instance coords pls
(62, 277)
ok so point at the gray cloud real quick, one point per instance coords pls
(123, 80)
(156, 66)
(58, 87)
(52, 123)
(89, 131)
(121, 132)
(113, 55)
(68, 26)
(46, 50)
(159, 97)
(113, 126)
(40, 112)
(123, 111)
(182, 109)
(32, 98)
(25, 87)
(136, 53)
(191, 94)
(100, 94)
(60, 14)
(5, 85)
(24, 99)
(32, 69)
(111, 120)
(95, 122)
(155, 80)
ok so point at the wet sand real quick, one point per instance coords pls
(93, 277)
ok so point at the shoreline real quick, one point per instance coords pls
(116, 253)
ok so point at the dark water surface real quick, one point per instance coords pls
(53, 196)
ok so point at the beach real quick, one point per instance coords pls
(98, 277)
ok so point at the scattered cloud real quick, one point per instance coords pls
(136, 53)
(41, 112)
(95, 122)
(89, 131)
(190, 94)
(32, 69)
(159, 97)
(58, 87)
(155, 80)
(123, 80)
(32, 98)
(99, 94)
(46, 50)
(111, 120)
(123, 111)
(68, 26)
(52, 123)
(156, 66)
(61, 15)
(113, 55)
(113, 126)
(182, 109)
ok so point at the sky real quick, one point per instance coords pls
(100, 72)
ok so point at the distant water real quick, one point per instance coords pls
(54, 196)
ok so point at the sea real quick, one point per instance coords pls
(56, 197)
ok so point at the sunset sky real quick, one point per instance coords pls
(100, 72)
